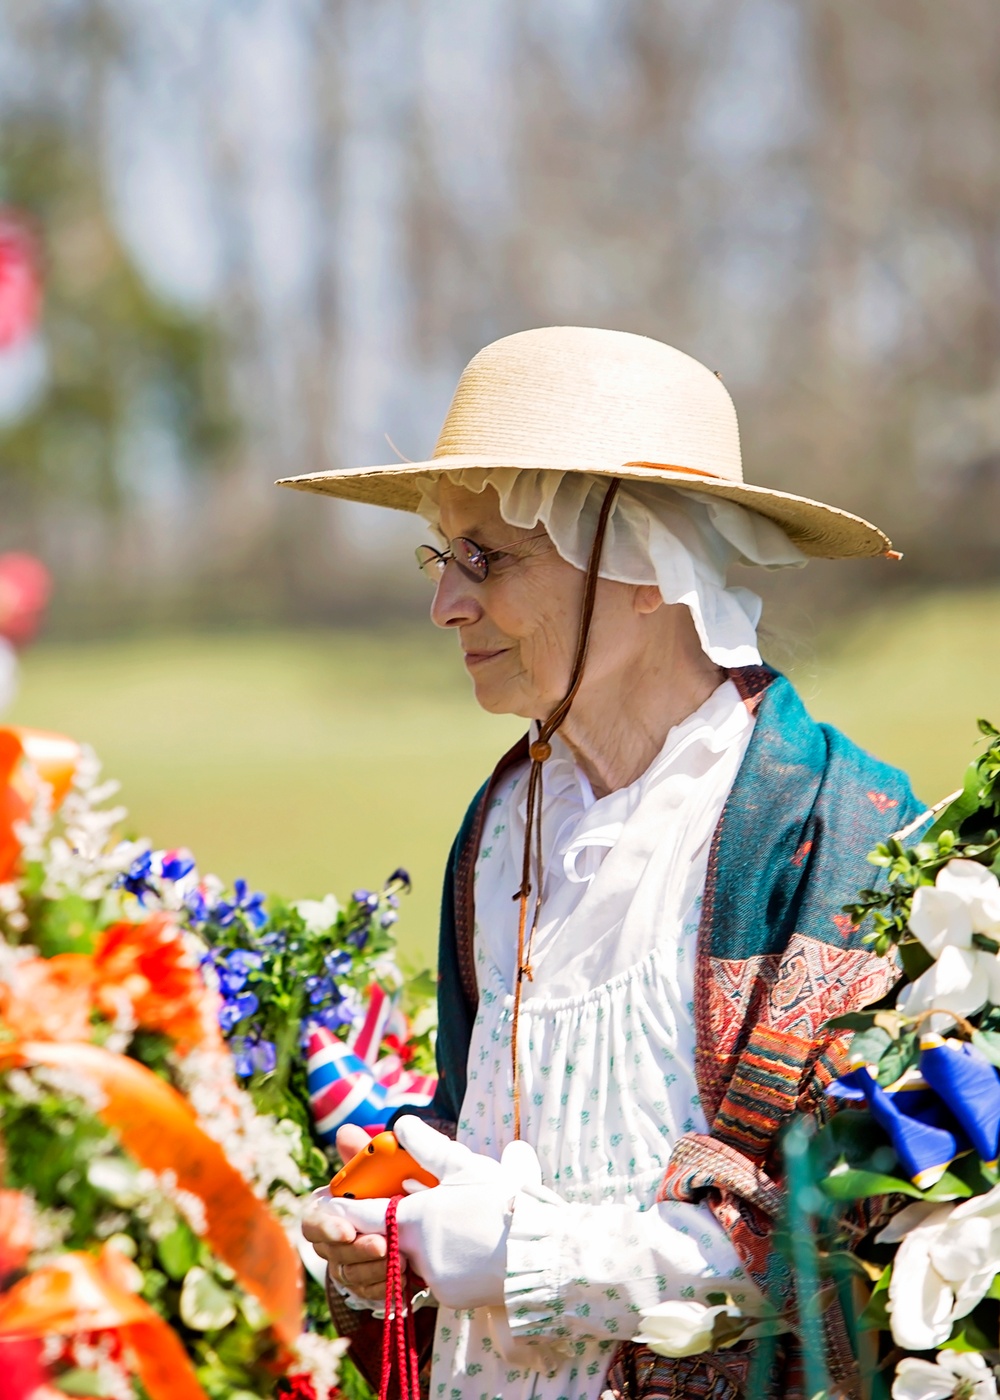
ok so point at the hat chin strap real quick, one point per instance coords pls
(541, 750)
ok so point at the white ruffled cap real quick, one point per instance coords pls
(683, 542)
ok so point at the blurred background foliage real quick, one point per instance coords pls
(270, 234)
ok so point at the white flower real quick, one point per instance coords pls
(948, 1256)
(965, 900)
(680, 1328)
(318, 915)
(954, 1372)
(319, 1357)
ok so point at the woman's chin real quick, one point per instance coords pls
(498, 699)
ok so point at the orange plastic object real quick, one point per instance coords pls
(379, 1170)
(157, 1127)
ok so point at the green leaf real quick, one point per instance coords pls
(951, 1187)
(870, 1045)
(967, 1336)
(856, 1185)
(205, 1306)
(875, 1313)
(853, 1021)
(178, 1251)
(80, 1382)
(898, 1058)
(915, 958)
(964, 805)
(989, 1043)
(67, 926)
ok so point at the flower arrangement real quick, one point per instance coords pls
(893, 1205)
(156, 1135)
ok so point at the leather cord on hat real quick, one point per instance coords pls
(541, 750)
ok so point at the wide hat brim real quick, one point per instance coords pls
(820, 531)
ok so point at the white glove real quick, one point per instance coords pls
(454, 1234)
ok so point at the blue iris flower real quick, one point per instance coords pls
(251, 906)
(365, 900)
(276, 939)
(401, 877)
(265, 1056)
(388, 918)
(358, 936)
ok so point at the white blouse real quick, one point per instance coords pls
(607, 1064)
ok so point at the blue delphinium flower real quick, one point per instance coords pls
(237, 1008)
(197, 907)
(339, 963)
(251, 906)
(176, 864)
(136, 879)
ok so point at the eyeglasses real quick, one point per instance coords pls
(471, 558)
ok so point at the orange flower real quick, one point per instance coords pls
(49, 998)
(16, 1235)
(148, 965)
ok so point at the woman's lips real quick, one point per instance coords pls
(478, 658)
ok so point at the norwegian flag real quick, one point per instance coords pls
(349, 1083)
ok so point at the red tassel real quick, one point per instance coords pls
(399, 1336)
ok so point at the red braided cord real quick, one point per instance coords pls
(399, 1335)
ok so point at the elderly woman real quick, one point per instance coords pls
(642, 935)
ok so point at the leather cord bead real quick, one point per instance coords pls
(540, 751)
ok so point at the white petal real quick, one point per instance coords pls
(979, 890)
(921, 1380)
(910, 1218)
(677, 1328)
(971, 1366)
(951, 984)
(962, 1248)
(940, 917)
(920, 1302)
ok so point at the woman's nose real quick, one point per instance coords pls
(455, 602)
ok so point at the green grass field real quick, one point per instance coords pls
(320, 761)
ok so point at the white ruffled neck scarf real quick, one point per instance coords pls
(681, 541)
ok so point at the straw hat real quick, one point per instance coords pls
(570, 398)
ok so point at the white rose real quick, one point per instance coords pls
(948, 1256)
(944, 916)
(680, 1328)
(929, 1380)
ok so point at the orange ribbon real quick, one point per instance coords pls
(156, 1125)
(88, 1293)
(25, 756)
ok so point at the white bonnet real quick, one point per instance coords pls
(682, 541)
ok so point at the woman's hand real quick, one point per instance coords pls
(455, 1234)
(355, 1260)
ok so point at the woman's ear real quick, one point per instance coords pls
(647, 598)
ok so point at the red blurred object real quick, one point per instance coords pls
(25, 586)
(20, 283)
(22, 1369)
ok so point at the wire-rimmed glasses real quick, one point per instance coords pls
(471, 558)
